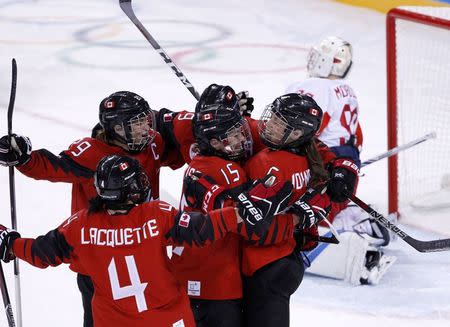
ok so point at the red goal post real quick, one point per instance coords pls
(418, 101)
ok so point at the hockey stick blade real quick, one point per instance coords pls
(12, 96)
(127, 8)
(421, 246)
(324, 239)
(399, 148)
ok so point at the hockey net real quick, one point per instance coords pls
(418, 80)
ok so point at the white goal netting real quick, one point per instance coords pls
(423, 106)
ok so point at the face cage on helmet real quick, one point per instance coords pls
(322, 64)
(275, 130)
(319, 64)
(138, 131)
(140, 191)
(342, 60)
(237, 141)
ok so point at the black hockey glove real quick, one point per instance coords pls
(312, 207)
(245, 103)
(261, 202)
(96, 130)
(344, 178)
(191, 228)
(202, 192)
(306, 239)
(17, 153)
(7, 237)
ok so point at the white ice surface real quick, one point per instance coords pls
(71, 54)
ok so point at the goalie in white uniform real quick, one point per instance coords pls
(357, 258)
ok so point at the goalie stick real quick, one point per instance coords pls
(6, 301)
(127, 8)
(421, 246)
(12, 192)
(399, 148)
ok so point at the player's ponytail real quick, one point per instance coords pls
(318, 172)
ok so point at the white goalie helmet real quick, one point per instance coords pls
(332, 57)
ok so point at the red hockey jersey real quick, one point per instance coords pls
(285, 166)
(177, 130)
(212, 272)
(215, 272)
(125, 255)
(77, 165)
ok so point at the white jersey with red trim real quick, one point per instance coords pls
(340, 107)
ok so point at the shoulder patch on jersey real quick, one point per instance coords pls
(193, 150)
(184, 220)
(168, 117)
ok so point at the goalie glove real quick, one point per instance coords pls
(14, 153)
(7, 237)
(261, 203)
(245, 103)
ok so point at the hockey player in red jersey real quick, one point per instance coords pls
(120, 242)
(224, 140)
(177, 128)
(212, 274)
(273, 273)
(127, 126)
(178, 131)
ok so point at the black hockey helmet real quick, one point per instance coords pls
(127, 118)
(290, 121)
(225, 125)
(121, 182)
(217, 94)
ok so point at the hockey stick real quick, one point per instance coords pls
(334, 238)
(421, 246)
(6, 301)
(399, 148)
(125, 5)
(12, 192)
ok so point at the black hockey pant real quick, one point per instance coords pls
(217, 313)
(86, 288)
(267, 292)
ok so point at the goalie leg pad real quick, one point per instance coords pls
(353, 260)
(344, 261)
(376, 268)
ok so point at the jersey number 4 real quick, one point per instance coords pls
(136, 288)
